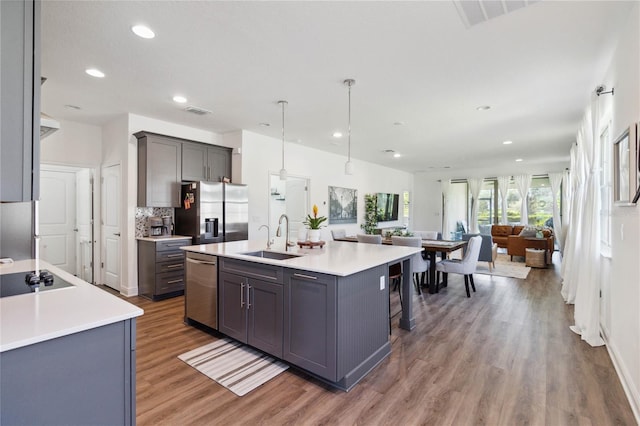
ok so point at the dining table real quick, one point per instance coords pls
(431, 249)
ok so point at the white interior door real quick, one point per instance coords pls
(111, 226)
(57, 218)
(84, 224)
(296, 202)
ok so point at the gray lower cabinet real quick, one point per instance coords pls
(20, 100)
(83, 378)
(250, 304)
(310, 322)
(159, 170)
(205, 162)
(250, 311)
(161, 268)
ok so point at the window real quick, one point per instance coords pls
(488, 206)
(457, 208)
(541, 201)
(405, 207)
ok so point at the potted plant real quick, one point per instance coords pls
(314, 224)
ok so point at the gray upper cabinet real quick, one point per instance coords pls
(159, 170)
(20, 100)
(205, 162)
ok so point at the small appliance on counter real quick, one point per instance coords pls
(156, 226)
(213, 212)
(166, 225)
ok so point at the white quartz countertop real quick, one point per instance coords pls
(335, 258)
(163, 238)
(36, 317)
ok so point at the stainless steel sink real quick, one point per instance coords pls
(271, 254)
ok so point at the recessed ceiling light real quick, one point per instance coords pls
(264, 124)
(74, 107)
(337, 134)
(94, 72)
(142, 31)
(396, 155)
(507, 142)
(483, 107)
(179, 99)
(518, 160)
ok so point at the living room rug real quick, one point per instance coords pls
(504, 267)
(233, 365)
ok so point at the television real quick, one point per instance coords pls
(387, 207)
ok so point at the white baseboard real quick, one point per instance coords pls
(625, 379)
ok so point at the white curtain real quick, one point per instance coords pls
(566, 206)
(523, 183)
(445, 185)
(571, 235)
(503, 186)
(555, 179)
(584, 271)
(475, 185)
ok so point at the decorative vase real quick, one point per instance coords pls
(539, 234)
(314, 235)
(302, 234)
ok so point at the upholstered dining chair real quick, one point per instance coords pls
(369, 239)
(466, 266)
(488, 249)
(338, 233)
(419, 265)
(428, 235)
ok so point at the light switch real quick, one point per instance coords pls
(381, 282)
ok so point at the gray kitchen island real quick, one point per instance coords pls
(325, 311)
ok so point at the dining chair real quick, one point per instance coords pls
(488, 249)
(338, 233)
(427, 235)
(419, 265)
(465, 266)
(369, 239)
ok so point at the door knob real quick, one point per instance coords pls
(116, 234)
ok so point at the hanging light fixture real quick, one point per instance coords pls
(283, 171)
(348, 167)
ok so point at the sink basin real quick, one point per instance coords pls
(272, 254)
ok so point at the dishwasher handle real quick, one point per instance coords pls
(200, 262)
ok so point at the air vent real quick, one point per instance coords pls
(198, 111)
(473, 12)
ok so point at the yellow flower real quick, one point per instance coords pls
(315, 221)
(315, 211)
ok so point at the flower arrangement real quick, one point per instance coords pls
(315, 221)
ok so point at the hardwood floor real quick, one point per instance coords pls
(505, 356)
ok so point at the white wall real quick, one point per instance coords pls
(261, 155)
(622, 271)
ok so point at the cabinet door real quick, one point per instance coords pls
(159, 170)
(310, 322)
(232, 312)
(20, 100)
(194, 162)
(264, 306)
(219, 163)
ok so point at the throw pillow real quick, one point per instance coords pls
(528, 232)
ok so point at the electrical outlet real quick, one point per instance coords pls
(381, 282)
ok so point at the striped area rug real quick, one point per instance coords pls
(235, 366)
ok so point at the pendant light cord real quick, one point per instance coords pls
(282, 103)
(349, 130)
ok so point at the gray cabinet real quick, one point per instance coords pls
(205, 162)
(159, 170)
(20, 100)
(310, 322)
(250, 304)
(161, 268)
(83, 378)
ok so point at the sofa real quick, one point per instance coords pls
(508, 236)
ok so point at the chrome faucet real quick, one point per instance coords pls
(269, 240)
(279, 233)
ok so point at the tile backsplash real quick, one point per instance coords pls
(142, 215)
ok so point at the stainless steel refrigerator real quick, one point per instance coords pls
(213, 212)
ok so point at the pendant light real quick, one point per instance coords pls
(348, 167)
(283, 171)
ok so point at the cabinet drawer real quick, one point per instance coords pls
(169, 282)
(261, 271)
(175, 255)
(172, 245)
(171, 266)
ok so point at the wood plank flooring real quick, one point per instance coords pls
(505, 356)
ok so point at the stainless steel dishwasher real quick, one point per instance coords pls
(201, 289)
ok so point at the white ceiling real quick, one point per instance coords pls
(413, 62)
